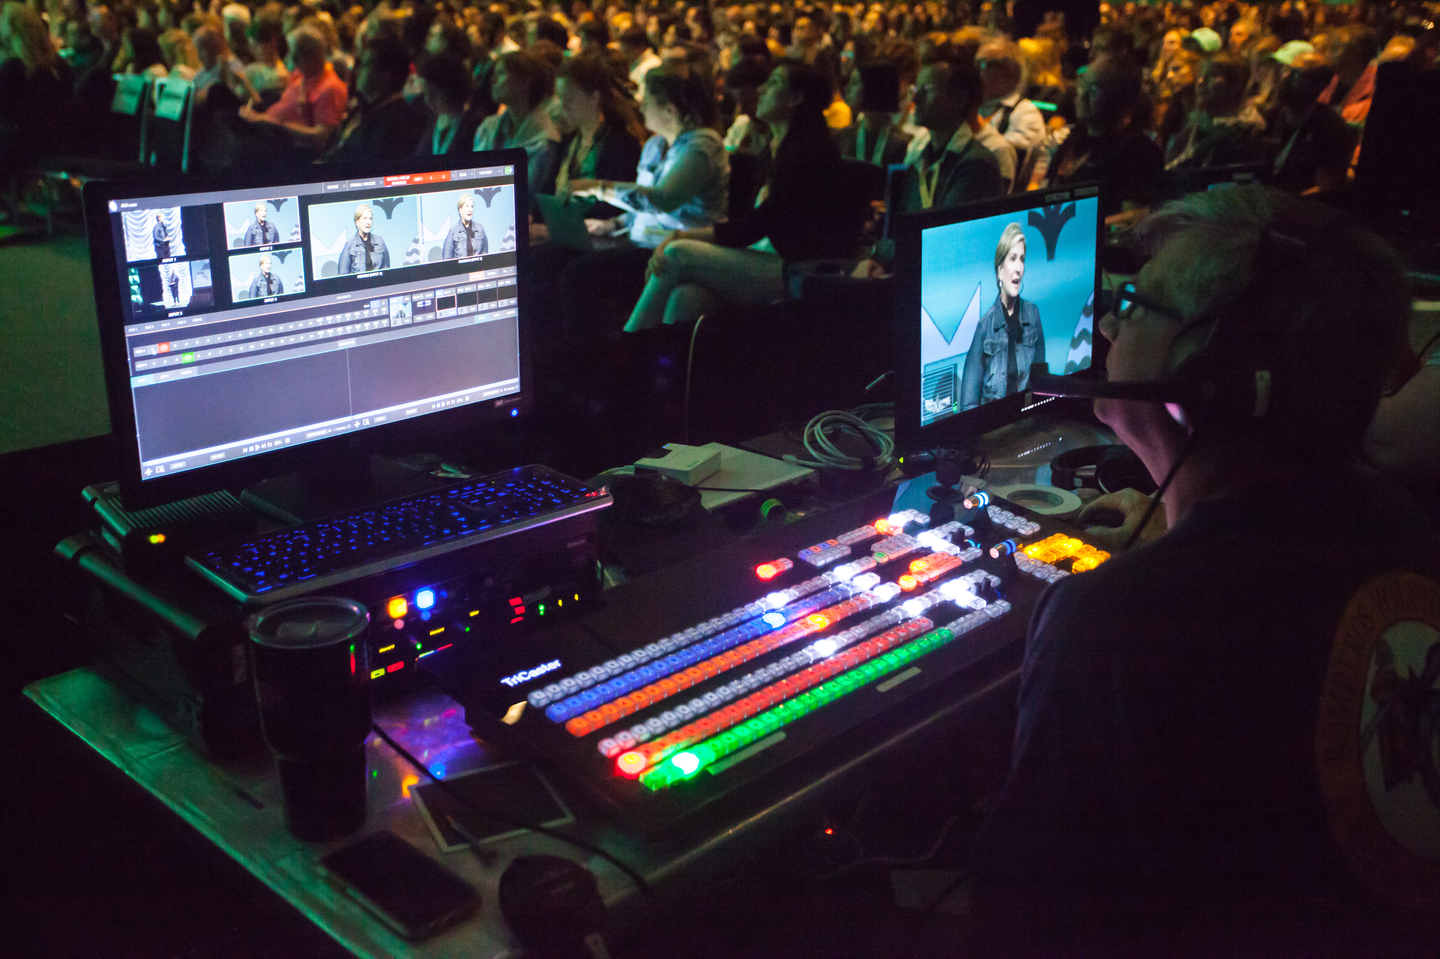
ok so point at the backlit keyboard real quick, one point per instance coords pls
(325, 553)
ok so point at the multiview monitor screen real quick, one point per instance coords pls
(986, 291)
(241, 318)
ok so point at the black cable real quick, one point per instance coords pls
(930, 908)
(1155, 501)
(581, 844)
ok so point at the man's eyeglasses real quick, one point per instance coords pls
(1126, 298)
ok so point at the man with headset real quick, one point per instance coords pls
(1225, 742)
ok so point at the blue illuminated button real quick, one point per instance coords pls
(425, 599)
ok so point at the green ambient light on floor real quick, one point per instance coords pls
(686, 764)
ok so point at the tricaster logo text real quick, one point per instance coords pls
(525, 675)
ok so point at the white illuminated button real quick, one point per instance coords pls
(914, 607)
(886, 592)
(866, 581)
(825, 647)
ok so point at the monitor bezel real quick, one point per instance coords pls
(136, 492)
(960, 429)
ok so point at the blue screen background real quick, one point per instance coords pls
(959, 258)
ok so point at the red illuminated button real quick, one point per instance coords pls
(631, 764)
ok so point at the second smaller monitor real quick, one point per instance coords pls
(985, 291)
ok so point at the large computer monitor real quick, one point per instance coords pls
(253, 325)
(959, 371)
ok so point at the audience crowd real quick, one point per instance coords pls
(723, 128)
(703, 146)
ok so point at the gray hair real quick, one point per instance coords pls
(1321, 302)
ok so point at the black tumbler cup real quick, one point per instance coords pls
(311, 683)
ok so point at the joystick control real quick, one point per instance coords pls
(948, 474)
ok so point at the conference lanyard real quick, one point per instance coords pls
(879, 151)
(929, 182)
(439, 147)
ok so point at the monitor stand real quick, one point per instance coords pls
(353, 480)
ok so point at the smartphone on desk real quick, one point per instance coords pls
(406, 889)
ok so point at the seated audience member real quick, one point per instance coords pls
(682, 183)
(1175, 96)
(219, 65)
(35, 86)
(312, 107)
(447, 36)
(549, 29)
(268, 73)
(1170, 45)
(953, 165)
(446, 94)
(742, 83)
(1314, 145)
(522, 84)
(181, 58)
(94, 84)
(594, 38)
(606, 143)
(385, 124)
(1006, 108)
(141, 49)
(873, 92)
(1244, 34)
(1223, 129)
(236, 20)
(739, 262)
(635, 47)
(1106, 144)
(485, 39)
(1187, 779)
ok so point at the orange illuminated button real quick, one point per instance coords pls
(631, 764)
(908, 582)
(397, 607)
(773, 568)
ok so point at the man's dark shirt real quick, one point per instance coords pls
(385, 131)
(1165, 747)
(971, 173)
(1321, 141)
(1126, 166)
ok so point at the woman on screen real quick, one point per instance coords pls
(1009, 336)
